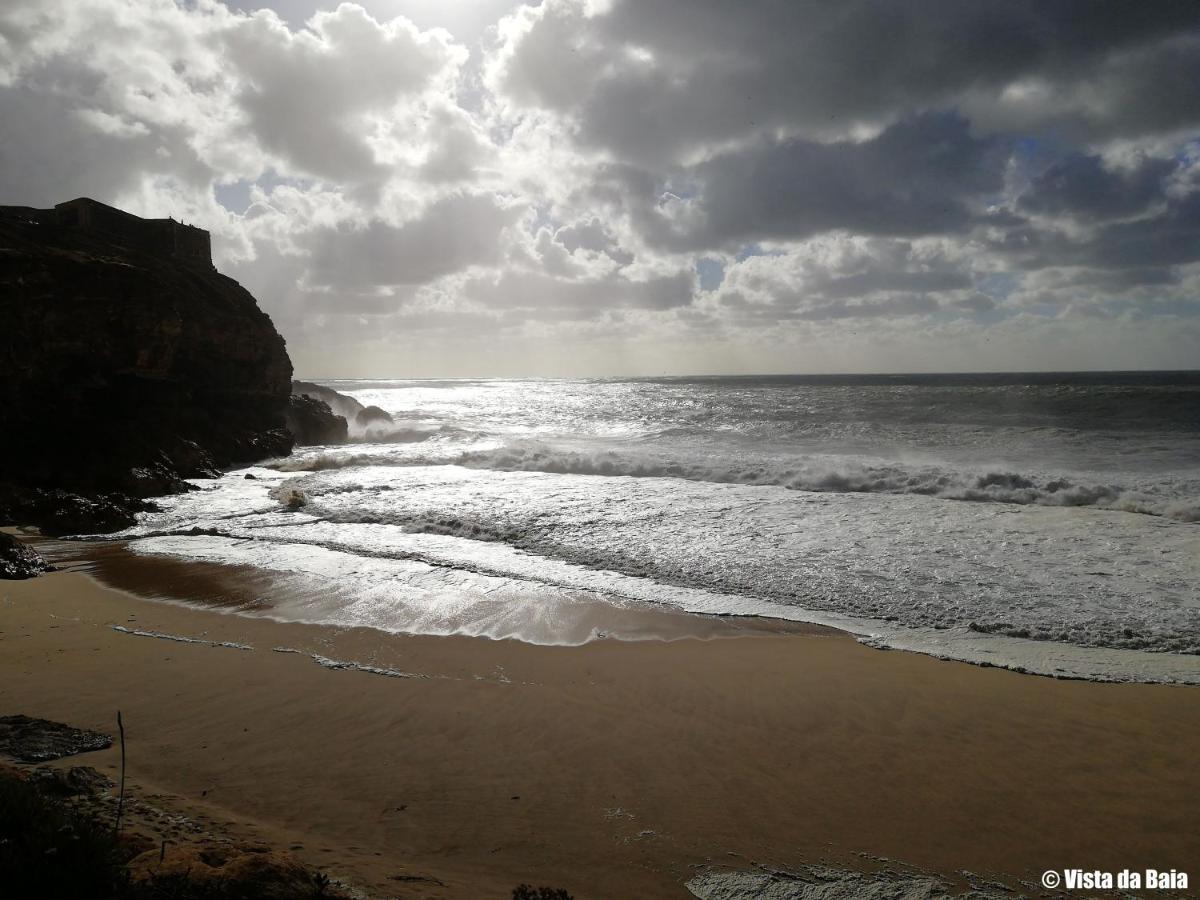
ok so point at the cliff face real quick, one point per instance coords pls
(122, 371)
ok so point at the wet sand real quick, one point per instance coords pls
(612, 769)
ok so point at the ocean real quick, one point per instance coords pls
(1048, 523)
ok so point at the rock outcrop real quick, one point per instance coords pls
(31, 740)
(373, 416)
(122, 372)
(18, 560)
(363, 422)
(311, 421)
(341, 405)
(309, 425)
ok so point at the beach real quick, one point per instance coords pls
(462, 766)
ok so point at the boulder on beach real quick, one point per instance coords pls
(33, 740)
(19, 560)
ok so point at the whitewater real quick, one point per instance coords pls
(1046, 523)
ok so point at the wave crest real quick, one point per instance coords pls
(807, 475)
(817, 474)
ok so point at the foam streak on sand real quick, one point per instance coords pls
(179, 638)
(328, 663)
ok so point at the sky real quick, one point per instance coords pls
(415, 188)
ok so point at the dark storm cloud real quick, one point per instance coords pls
(1169, 238)
(925, 175)
(920, 176)
(1124, 279)
(1166, 240)
(723, 126)
(1082, 186)
(649, 80)
(1142, 91)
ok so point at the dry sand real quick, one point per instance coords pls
(612, 769)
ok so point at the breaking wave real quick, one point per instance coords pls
(806, 475)
(811, 474)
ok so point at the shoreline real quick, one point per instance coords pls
(251, 590)
(244, 589)
(634, 762)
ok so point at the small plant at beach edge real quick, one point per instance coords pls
(528, 892)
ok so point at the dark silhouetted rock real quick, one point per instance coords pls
(372, 415)
(311, 421)
(62, 512)
(346, 407)
(124, 371)
(18, 560)
(39, 740)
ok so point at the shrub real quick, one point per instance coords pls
(47, 850)
(526, 892)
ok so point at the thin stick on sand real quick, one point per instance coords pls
(121, 794)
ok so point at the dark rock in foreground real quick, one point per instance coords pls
(39, 740)
(18, 560)
(123, 370)
(62, 512)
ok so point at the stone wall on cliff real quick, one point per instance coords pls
(122, 370)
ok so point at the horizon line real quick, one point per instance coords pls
(881, 374)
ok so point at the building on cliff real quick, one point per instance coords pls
(161, 237)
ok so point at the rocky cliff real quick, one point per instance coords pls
(122, 372)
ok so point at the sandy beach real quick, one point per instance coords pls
(615, 769)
